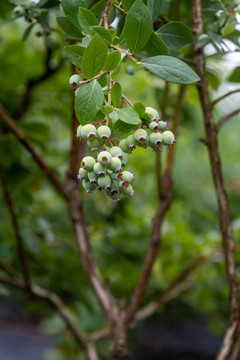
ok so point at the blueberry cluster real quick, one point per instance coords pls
(105, 171)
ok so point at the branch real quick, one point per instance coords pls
(232, 336)
(24, 141)
(105, 15)
(214, 102)
(33, 82)
(56, 302)
(19, 240)
(225, 118)
(165, 202)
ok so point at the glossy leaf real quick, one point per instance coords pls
(156, 46)
(70, 7)
(75, 54)
(138, 26)
(94, 57)
(116, 95)
(86, 19)
(68, 27)
(170, 69)
(103, 33)
(175, 34)
(88, 101)
(113, 60)
(129, 116)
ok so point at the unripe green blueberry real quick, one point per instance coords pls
(153, 114)
(79, 128)
(124, 159)
(92, 177)
(124, 146)
(114, 190)
(99, 169)
(128, 191)
(89, 187)
(94, 144)
(88, 163)
(115, 164)
(30, 5)
(74, 81)
(163, 125)
(130, 70)
(155, 140)
(82, 174)
(168, 138)
(18, 11)
(141, 136)
(132, 143)
(153, 126)
(104, 157)
(127, 176)
(104, 182)
(116, 151)
(114, 175)
(114, 197)
(104, 132)
(88, 131)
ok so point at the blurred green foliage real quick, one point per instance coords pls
(120, 231)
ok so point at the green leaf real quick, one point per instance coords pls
(122, 128)
(103, 33)
(88, 101)
(86, 19)
(235, 75)
(68, 27)
(103, 80)
(155, 46)
(175, 34)
(126, 4)
(86, 40)
(128, 115)
(75, 54)
(138, 26)
(99, 7)
(112, 32)
(139, 107)
(113, 60)
(94, 57)
(157, 7)
(214, 79)
(170, 69)
(27, 31)
(70, 7)
(116, 95)
(106, 109)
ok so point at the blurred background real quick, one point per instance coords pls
(187, 327)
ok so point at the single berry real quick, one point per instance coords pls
(141, 136)
(124, 146)
(152, 113)
(18, 11)
(87, 163)
(114, 190)
(79, 128)
(88, 131)
(74, 81)
(131, 141)
(114, 175)
(124, 159)
(94, 144)
(128, 191)
(82, 174)
(89, 187)
(116, 151)
(163, 125)
(155, 140)
(153, 126)
(99, 169)
(168, 138)
(115, 164)
(104, 182)
(104, 132)
(92, 177)
(114, 197)
(130, 70)
(104, 157)
(127, 176)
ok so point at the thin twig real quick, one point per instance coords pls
(24, 141)
(105, 15)
(119, 8)
(225, 118)
(127, 53)
(230, 345)
(94, 78)
(214, 102)
(129, 101)
(20, 243)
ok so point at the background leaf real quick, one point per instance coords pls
(175, 34)
(88, 101)
(235, 75)
(70, 7)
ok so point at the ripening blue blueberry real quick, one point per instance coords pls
(82, 174)
(104, 132)
(104, 182)
(153, 126)
(153, 114)
(116, 151)
(88, 163)
(124, 146)
(163, 124)
(127, 176)
(131, 141)
(74, 81)
(79, 128)
(115, 164)
(88, 186)
(140, 136)
(99, 169)
(92, 177)
(168, 138)
(104, 157)
(94, 144)
(88, 131)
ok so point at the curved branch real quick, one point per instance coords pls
(214, 102)
(225, 118)
(24, 141)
